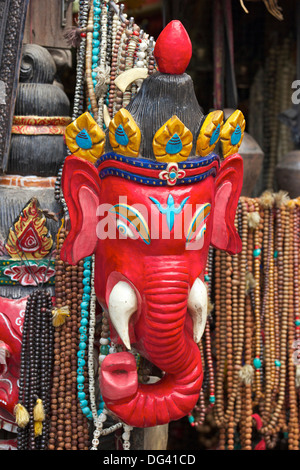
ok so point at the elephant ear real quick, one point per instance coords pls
(81, 190)
(229, 184)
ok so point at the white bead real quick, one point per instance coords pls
(95, 442)
(104, 341)
(101, 358)
(140, 63)
(112, 350)
(141, 55)
(126, 445)
(126, 436)
(143, 46)
(127, 428)
(102, 418)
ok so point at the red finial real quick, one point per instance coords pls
(173, 49)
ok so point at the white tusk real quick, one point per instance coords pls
(129, 76)
(197, 307)
(121, 305)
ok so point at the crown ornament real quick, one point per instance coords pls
(161, 137)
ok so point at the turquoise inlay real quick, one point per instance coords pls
(236, 136)
(121, 136)
(83, 140)
(215, 135)
(170, 210)
(174, 145)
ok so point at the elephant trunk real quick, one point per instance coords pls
(165, 341)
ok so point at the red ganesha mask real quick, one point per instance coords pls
(148, 198)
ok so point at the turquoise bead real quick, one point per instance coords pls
(87, 289)
(81, 362)
(100, 409)
(276, 254)
(94, 82)
(96, 43)
(80, 379)
(83, 403)
(82, 345)
(96, 26)
(84, 322)
(87, 273)
(104, 349)
(97, 11)
(83, 337)
(85, 410)
(96, 34)
(86, 297)
(83, 330)
(87, 264)
(80, 387)
(84, 313)
(81, 395)
(81, 354)
(80, 371)
(86, 281)
(297, 322)
(277, 363)
(257, 363)
(212, 399)
(191, 419)
(84, 305)
(206, 278)
(256, 252)
(95, 59)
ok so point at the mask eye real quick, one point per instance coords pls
(131, 223)
(197, 227)
(124, 230)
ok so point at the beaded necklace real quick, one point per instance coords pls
(36, 371)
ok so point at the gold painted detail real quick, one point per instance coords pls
(173, 142)
(29, 237)
(124, 134)
(209, 134)
(85, 138)
(232, 133)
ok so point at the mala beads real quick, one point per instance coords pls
(36, 372)
(69, 427)
(256, 310)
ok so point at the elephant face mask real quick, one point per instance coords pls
(149, 211)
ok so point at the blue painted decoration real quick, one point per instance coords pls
(236, 135)
(174, 145)
(121, 136)
(83, 140)
(171, 210)
(215, 135)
